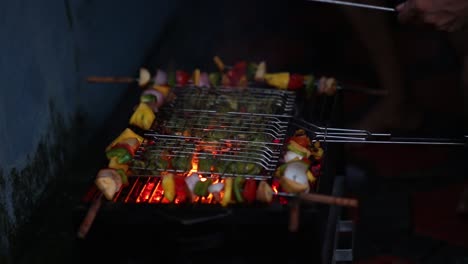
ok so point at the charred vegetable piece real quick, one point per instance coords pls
(162, 164)
(183, 163)
(204, 165)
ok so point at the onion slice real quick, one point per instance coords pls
(159, 96)
(160, 78)
(144, 77)
(291, 155)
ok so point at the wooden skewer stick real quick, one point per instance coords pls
(327, 199)
(99, 79)
(89, 218)
(294, 216)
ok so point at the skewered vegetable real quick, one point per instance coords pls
(124, 150)
(279, 80)
(294, 179)
(144, 77)
(191, 181)
(204, 80)
(250, 190)
(153, 98)
(164, 90)
(238, 185)
(261, 71)
(215, 78)
(201, 187)
(126, 134)
(143, 117)
(219, 63)
(327, 86)
(196, 77)
(108, 182)
(160, 77)
(227, 192)
(169, 186)
(264, 192)
(182, 191)
(182, 163)
(113, 164)
(182, 78)
(216, 189)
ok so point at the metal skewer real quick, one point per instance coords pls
(342, 135)
(382, 8)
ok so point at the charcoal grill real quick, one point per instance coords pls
(224, 125)
(234, 125)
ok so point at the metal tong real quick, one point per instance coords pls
(342, 135)
(346, 3)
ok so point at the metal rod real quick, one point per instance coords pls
(397, 142)
(382, 8)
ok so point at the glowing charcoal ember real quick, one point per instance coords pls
(145, 194)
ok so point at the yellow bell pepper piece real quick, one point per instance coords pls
(165, 90)
(219, 63)
(196, 77)
(126, 134)
(113, 164)
(168, 185)
(311, 177)
(227, 192)
(143, 117)
(279, 80)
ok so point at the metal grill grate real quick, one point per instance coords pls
(225, 131)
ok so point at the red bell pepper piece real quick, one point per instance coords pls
(181, 189)
(296, 81)
(235, 74)
(250, 190)
(182, 77)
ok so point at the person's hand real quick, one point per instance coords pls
(446, 15)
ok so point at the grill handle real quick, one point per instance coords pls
(327, 199)
(89, 218)
(343, 135)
